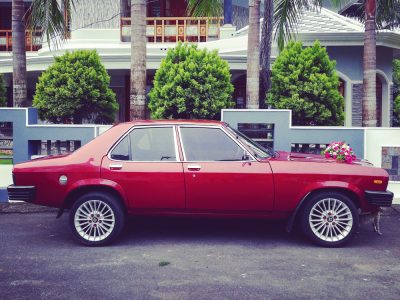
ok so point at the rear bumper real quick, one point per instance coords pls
(384, 199)
(21, 193)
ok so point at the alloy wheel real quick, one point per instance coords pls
(94, 220)
(330, 220)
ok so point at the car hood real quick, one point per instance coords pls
(307, 157)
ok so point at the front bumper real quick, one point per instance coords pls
(383, 199)
(21, 193)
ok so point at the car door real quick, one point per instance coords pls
(220, 175)
(145, 162)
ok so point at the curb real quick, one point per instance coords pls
(24, 208)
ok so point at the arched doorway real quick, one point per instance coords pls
(341, 87)
(345, 89)
(382, 99)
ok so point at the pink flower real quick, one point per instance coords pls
(327, 155)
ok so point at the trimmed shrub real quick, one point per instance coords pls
(74, 88)
(305, 81)
(191, 84)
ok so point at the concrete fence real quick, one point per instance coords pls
(30, 139)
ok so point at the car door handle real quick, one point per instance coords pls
(194, 167)
(115, 167)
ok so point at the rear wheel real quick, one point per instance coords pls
(329, 219)
(96, 219)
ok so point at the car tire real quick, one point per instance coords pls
(329, 219)
(96, 219)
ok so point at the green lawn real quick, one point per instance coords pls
(4, 160)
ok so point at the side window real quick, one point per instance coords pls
(153, 144)
(209, 144)
(121, 151)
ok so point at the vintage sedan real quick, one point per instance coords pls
(192, 168)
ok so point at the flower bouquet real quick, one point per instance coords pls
(339, 151)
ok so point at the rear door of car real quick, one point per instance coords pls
(145, 162)
(220, 175)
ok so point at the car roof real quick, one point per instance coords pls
(176, 122)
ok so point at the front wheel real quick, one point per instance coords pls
(329, 219)
(96, 219)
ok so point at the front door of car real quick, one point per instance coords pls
(145, 163)
(220, 176)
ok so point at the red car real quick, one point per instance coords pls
(198, 168)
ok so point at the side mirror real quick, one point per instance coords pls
(245, 155)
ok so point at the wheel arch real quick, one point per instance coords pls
(348, 192)
(78, 191)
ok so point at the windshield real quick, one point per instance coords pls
(258, 150)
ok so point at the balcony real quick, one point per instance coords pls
(32, 40)
(174, 29)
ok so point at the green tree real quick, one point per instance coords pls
(76, 87)
(3, 94)
(373, 13)
(396, 102)
(191, 84)
(305, 81)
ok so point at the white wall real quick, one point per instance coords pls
(5, 175)
(375, 139)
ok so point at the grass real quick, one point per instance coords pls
(163, 263)
(6, 161)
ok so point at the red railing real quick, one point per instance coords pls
(173, 29)
(32, 40)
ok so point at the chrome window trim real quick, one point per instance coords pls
(173, 128)
(226, 133)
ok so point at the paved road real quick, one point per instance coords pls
(208, 259)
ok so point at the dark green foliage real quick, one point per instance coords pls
(305, 81)
(3, 92)
(74, 88)
(191, 84)
(396, 101)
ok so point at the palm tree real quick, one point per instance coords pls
(19, 56)
(253, 56)
(288, 12)
(369, 66)
(45, 15)
(265, 48)
(204, 8)
(138, 60)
